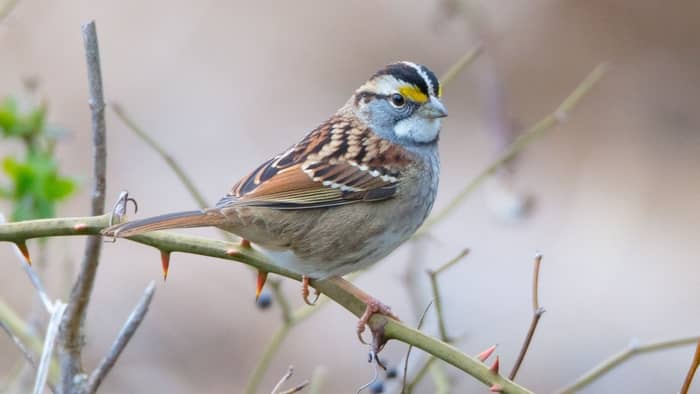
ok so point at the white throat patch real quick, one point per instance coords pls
(418, 129)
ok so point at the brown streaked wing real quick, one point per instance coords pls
(338, 163)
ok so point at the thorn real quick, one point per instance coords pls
(231, 252)
(80, 227)
(22, 246)
(245, 244)
(496, 388)
(483, 356)
(262, 277)
(165, 263)
(495, 365)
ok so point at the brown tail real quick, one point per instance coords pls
(164, 222)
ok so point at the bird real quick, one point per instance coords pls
(347, 194)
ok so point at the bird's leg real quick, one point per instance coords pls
(305, 291)
(372, 307)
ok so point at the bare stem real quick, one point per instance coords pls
(422, 371)
(691, 371)
(276, 287)
(617, 359)
(169, 160)
(123, 338)
(436, 292)
(71, 331)
(404, 388)
(340, 291)
(461, 64)
(534, 132)
(537, 313)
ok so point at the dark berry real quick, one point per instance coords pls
(391, 373)
(264, 301)
(377, 387)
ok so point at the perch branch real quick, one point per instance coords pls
(71, 330)
(339, 290)
(537, 313)
(533, 133)
(691, 371)
(123, 338)
(617, 359)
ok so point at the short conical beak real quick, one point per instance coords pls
(433, 109)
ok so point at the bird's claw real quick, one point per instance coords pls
(378, 339)
(305, 281)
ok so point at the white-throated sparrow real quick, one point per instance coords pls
(345, 196)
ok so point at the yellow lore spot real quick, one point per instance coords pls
(412, 93)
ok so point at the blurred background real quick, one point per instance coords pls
(610, 197)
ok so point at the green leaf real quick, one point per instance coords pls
(8, 115)
(59, 188)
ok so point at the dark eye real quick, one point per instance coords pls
(397, 100)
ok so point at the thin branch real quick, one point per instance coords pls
(410, 347)
(42, 372)
(123, 338)
(284, 379)
(25, 351)
(422, 371)
(691, 371)
(533, 133)
(318, 378)
(274, 344)
(24, 331)
(169, 160)
(461, 64)
(537, 313)
(71, 330)
(436, 292)
(276, 287)
(268, 354)
(617, 359)
(341, 291)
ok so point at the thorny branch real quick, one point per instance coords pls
(537, 313)
(341, 291)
